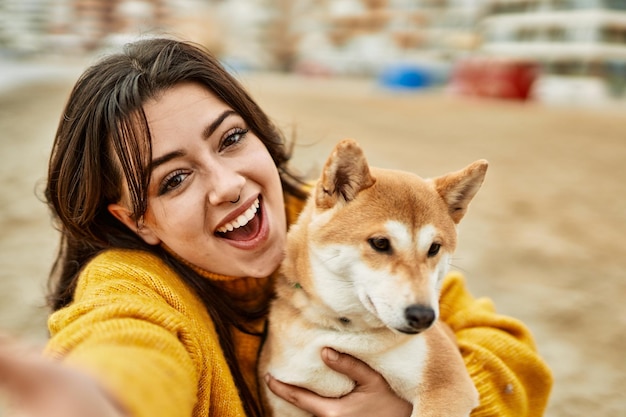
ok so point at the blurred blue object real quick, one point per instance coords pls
(236, 66)
(405, 77)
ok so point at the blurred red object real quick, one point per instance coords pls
(496, 78)
(312, 69)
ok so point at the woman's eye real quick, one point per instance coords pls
(233, 138)
(172, 181)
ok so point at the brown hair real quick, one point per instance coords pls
(103, 139)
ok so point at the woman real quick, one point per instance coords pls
(172, 194)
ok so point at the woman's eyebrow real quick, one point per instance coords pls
(163, 159)
(206, 133)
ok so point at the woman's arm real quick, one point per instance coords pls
(126, 328)
(39, 387)
(130, 354)
(499, 352)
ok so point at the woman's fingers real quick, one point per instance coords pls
(370, 397)
(300, 397)
(353, 368)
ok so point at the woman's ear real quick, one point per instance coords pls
(123, 215)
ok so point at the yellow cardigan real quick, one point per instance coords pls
(148, 339)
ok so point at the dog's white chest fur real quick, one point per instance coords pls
(299, 361)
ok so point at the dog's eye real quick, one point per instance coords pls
(380, 244)
(433, 250)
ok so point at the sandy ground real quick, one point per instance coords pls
(545, 237)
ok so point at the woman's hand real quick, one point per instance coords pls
(34, 386)
(372, 396)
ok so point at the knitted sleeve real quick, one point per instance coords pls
(499, 352)
(129, 329)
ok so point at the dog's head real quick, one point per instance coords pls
(380, 241)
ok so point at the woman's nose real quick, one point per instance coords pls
(226, 186)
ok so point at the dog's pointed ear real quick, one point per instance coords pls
(345, 174)
(459, 188)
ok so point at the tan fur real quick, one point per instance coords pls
(362, 275)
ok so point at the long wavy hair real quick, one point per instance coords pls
(103, 140)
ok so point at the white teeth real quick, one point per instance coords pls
(242, 220)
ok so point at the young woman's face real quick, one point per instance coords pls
(215, 197)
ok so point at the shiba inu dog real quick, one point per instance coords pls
(362, 274)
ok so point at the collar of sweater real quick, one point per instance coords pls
(246, 291)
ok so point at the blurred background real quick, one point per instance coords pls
(537, 87)
(546, 50)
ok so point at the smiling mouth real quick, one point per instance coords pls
(244, 227)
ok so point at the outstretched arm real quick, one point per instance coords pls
(39, 387)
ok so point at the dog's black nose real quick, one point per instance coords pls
(419, 317)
